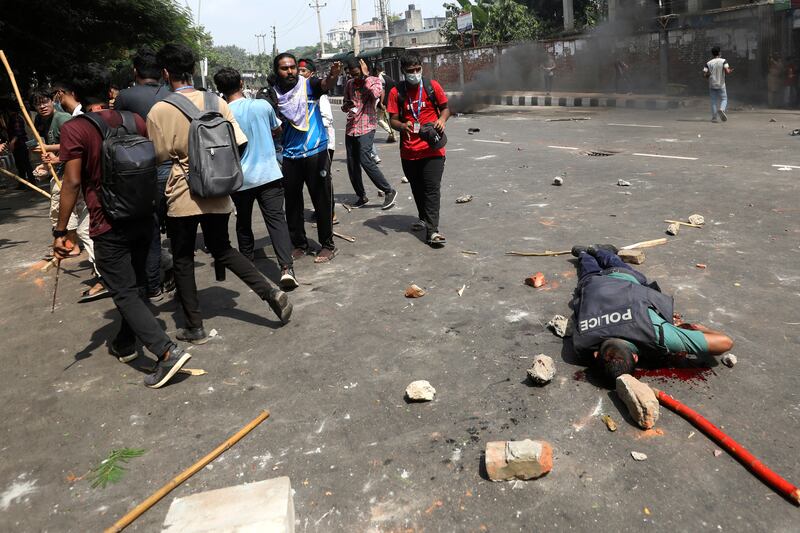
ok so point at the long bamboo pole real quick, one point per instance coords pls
(25, 182)
(26, 115)
(759, 469)
(140, 509)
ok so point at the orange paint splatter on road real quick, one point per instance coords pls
(650, 433)
(435, 505)
(36, 267)
(39, 282)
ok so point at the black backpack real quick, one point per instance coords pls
(214, 166)
(402, 89)
(128, 182)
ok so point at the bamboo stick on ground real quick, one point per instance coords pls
(25, 182)
(26, 115)
(140, 509)
(546, 253)
(683, 223)
(347, 238)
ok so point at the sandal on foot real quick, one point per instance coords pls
(89, 296)
(325, 255)
(437, 239)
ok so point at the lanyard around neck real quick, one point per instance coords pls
(178, 89)
(419, 105)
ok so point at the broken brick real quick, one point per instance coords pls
(640, 399)
(526, 459)
(535, 281)
(634, 257)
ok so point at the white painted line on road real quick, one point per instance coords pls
(564, 147)
(456, 149)
(668, 156)
(493, 142)
(483, 157)
(636, 125)
(785, 166)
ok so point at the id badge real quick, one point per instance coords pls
(416, 127)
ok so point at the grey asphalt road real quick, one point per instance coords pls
(359, 457)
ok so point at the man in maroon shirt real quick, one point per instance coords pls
(120, 246)
(423, 163)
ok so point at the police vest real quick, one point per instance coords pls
(608, 308)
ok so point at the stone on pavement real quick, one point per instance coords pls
(673, 229)
(526, 459)
(634, 257)
(420, 391)
(697, 219)
(265, 506)
(639, 456)
(560, 326)
(729, 360)
(414, 291)
(640, 399)
(542, 370)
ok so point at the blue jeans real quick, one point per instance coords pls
(593, 266)
(719, 101)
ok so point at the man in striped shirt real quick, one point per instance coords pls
(361, 96)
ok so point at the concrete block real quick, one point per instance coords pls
(634, 257)
(264, 506)
(640, 399)
(542, 370)
(526, 459)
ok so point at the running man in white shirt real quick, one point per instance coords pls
(715, 70)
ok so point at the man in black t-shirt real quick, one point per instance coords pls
(140, 99)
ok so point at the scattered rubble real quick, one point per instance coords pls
(473, 130)
(413, 291)
(701, 265)
(623, 183)
(535, 281)
(673, 229)
(729, 360)
(464, 199)
(560, 326)
(639, 456)
(526, 459)
(558, 180)
(404, 180)
(542, 370)
(640, 399)
(420, 391)
(697, 220)
(634, 257)
(461, 290)
(609, 422)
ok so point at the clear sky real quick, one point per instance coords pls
(238, 21)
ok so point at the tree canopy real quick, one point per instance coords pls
(45, 38)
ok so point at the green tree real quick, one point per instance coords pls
(45, 38)
(509, 21)
(495, 21)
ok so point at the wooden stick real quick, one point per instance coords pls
(546, 253)
(24, 182)
(645, 244)
(26, 115)
(55, 286)
(349, 209)
(140, 509)
(683, 223)
(348, 238)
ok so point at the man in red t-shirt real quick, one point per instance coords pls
(121, 247)
(413, 103)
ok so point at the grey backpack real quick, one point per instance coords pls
(214, 166)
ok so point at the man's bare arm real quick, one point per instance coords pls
(70, 186)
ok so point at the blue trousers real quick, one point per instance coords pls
(593, 266)
(719, 101)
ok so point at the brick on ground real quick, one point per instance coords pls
(634, 257)
(526, 459)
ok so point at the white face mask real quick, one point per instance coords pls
(414, 78)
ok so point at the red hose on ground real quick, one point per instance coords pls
(776, 482)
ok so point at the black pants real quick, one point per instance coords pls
(270, 199)
(182, 232)
(157, 255)
(23, 162)
(359, 154)
(313, 171)
(120, 255)
(425, 178)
